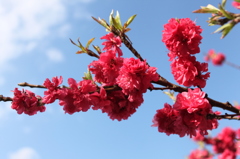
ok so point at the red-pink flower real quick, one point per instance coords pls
(187, 116)
(193, 108)
(135, 77)
(113, 43)
(189, 72)
(77, 98)
(182, 37)
(106, 68)
(165, 119)
(200, 154)
(53, 92)
(217, 58)
(225, 140)
(192, 101)
(26, 102)
(236, 4)
(120, 107)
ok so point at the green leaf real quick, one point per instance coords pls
(110, 18)
(237, 0)
(88, 75)
(118, 19)
(89, 42)
(129, 21)
(225, 29)
(102, 22)
(224, 3)
(223, 11)
(208, 9)
(116, 24)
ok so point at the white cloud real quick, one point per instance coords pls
(24, 153)
(26, 23)
(54, 55)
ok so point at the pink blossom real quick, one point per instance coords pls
(236, 4)
(77, 98)
(26, 102)
(53, 92)
(190, 72)
(113, 43)
(165, 119)
(217, 58)
(192, 101)
(106, 68)
(121, 108)
(135, 77)
(200, 154)
(225, 141)
(182, 37)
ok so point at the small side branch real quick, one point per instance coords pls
(5, 99)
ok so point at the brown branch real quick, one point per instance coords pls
(232, 64)
(5, 99)
(25, 84)
(226, 116)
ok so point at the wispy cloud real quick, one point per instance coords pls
(54, 55)
(24, 153)
(26, 23)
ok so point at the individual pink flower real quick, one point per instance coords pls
(135, 77)
(189, 72)
(120, 107)
(113, 43)
(53, 92)
(78, 97)
(106, 68)
(100, 100)
(165, 119)
(193, 108)
(192, 101)
(182, 37)
(200, 154)
(217, 58)
(26, 102)
(236, 4)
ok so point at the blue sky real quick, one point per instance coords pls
(34, 45)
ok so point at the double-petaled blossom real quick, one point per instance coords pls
(27, 102)
(189, 72)
(53, 91)
(182, 37)
(217, 58)
(120, 107)
(189, 115)
(135, 77)
(113, 43)
(165, 119)
(200, 154)
(78, 97)
(106, 68)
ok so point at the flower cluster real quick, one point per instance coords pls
(187, 116)
(131, 78)
(217, 58)
(182, 38)
(224, 144)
